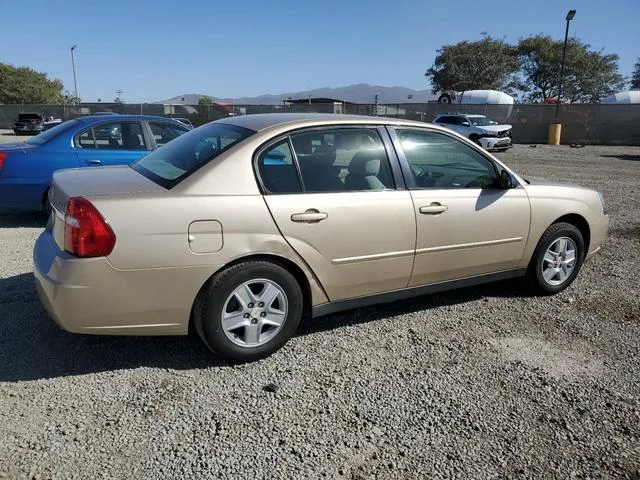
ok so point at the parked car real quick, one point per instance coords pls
(26, 167)
(33, 123)
(478, 128)
(210, 233)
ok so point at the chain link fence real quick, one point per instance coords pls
(581, 123)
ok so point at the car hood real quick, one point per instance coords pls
(539, 181)
(92, 181)
(495, 128)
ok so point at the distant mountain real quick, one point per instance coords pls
(359, 93)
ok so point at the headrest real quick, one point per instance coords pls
(366, 163)
(324, 155)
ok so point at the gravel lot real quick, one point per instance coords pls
(479, 383)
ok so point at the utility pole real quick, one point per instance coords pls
(73, 65)
(570, 15)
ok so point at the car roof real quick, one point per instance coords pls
(459, 115)
(262, 121)
(110, 118)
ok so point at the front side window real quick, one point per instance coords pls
(113, 136)
(172, 163)
(165, 132)
(440, 161)
(346, 159)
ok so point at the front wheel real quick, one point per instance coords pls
(557, 258)
(250, 310)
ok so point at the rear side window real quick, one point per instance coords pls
(165, 132)
(178, 159)
(277, 170)
(113, 136)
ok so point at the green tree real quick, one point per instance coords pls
(589, 75)
(205, 101)
(635, 77)
(68, 98)
(25, 85)
(488, 63)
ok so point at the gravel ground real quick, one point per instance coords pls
(479, 383)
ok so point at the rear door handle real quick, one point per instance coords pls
(433, 209)
(309, 216)
(94, 162)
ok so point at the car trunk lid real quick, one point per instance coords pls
(91, 181)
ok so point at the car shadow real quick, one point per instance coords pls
(23, 219)
(624, 156)
(33, 347)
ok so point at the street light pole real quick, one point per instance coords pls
(73, 65)
(570, 15)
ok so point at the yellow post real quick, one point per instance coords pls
(555, 130)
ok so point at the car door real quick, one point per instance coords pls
(111, 143)
(466, 224)
(340, 202)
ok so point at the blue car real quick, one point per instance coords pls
(26, 167)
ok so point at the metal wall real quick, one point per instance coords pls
(581, 123)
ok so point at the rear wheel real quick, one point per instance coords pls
(250, 310)
(557, 258)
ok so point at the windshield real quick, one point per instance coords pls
(178, 159)
(29, 116)
(52, 132)
(481, 121)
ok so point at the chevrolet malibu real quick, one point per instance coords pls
(240, 228)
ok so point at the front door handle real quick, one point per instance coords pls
(433, 209)
(94, 162)
(309, 216)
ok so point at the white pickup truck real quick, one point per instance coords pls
(485, 132)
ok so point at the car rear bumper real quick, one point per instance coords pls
(88, 295)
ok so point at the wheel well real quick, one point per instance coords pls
(581, 224)
(285, 263)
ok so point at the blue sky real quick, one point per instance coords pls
(158, 49)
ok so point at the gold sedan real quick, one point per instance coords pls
(243, 226)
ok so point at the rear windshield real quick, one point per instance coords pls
(52, 132)
(175, 161)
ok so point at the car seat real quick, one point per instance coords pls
(364, 169)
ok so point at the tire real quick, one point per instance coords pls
(444, 98)
(567, 271)
(231, 292)
(475, 139)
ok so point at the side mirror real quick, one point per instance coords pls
(506, 181)
(465, 124)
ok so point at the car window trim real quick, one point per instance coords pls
(396, 173)
(404, 163)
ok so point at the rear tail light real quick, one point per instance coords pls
(86, 232)
(3, 156)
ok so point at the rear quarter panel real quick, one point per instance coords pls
(26, 176)
(152, 232)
